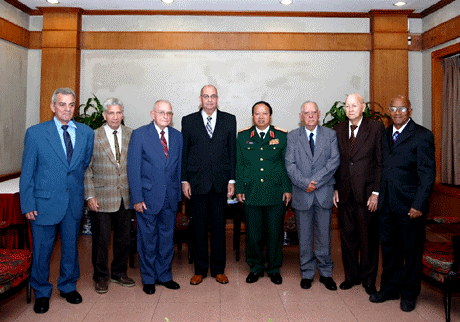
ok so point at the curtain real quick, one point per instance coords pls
(450, 137)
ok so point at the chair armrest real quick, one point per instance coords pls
(445, 219)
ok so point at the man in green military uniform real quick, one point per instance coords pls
(264, 187)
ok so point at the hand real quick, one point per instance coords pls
(372, 202)
(140, 206)
(186, 190)
(287, 196)
(414, 213)
(311, 186)
(230, 189)
(335, 199)
(92, 204)
(241, 197)
(31, 215)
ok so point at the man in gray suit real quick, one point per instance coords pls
(312, 157)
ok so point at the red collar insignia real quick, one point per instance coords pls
(272, 134)
(252, 134)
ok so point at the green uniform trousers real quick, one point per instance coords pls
(272, 217)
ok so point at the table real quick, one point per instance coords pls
(10, 211)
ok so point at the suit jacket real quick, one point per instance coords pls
(104, 178)
(209, 162)
(151, 175)
(302, 167)
(361, 168)
(48, 184)
(260, 171)
(409, 169)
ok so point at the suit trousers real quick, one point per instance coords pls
(360, 241)
(273, 218)
(204, 207)
(155, 243)
(43, 240)
(101, 228)
(314, 229)
(402, 241)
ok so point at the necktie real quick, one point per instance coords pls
(352, 136)
(208, 127)
(262, 135)
(395, 136)
(312, 144)
(117, 147)
(68, 144)
(163, 143)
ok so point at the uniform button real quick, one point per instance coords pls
(261, 149)
(261, 169)
(261, 159)
(261, 180)
(274, 148)
(249, 148)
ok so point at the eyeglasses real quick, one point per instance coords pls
(163, 113)
(206, 96)
(402, 109)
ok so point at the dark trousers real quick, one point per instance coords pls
(101, 228)
(360, 241)
(273, 219)
(402, 240)
(204, 207)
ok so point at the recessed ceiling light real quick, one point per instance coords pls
(168, 1)
(286, 2)
(399, 4)
(53, 1)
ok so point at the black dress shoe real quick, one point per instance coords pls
(170, 284)
(347, 284)
(305, 283)
(72, 297)
(254, 277)
(407, 305)
(149, 289)
(276, 278)
(42, 305)
(381, 297)
(370, 289)
(328, 282)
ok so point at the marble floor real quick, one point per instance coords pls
(236, 301)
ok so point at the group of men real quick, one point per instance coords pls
(358, 166)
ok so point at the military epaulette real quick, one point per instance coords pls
(245, 129)
(280, 129)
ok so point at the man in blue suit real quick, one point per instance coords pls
(154, 170)
(56, 155)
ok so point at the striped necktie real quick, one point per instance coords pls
(208, 127)
(164, 144)
(395, 136)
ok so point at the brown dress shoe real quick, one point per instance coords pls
(196, 279)
(222, 278)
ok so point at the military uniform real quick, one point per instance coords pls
(261, 176)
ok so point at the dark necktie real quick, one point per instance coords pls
(312, 144)
(117, 147)
(68, 144)
(395, 136)
(208, 127)
(262, 135)
(163, 143)
(352, 136)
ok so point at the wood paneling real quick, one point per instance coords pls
(226, 41)
(35, 40)
(61, 18)
(444, 201)
(13, 33)
(389, 20)
(60, 39)
(438, 5)
(416, 42)
(392, 40)
(20, 6)
(442, 33)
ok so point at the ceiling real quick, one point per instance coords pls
(239, 5)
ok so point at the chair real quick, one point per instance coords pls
(15, 264)
(441, 261)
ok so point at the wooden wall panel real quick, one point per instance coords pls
(226, 41)
(390, 41)
(389, 21)
(416, 42)
(61, 18)
(442, 33)
(60, 39)
(14, 33)
(35, 40)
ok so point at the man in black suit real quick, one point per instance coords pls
(208, 177)
(409, 171)
(356, 194)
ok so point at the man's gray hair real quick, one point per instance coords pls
(111, 102)
(63, 91)
(159, 101)
(306, 102)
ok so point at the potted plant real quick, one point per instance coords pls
(92, 113)
(337, 114)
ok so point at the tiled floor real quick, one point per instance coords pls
(236, 301)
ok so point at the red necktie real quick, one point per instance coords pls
(352, 136)
(163, 143)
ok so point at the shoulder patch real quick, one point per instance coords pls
(280, 129)
(245, 129)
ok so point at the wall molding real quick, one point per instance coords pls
(442, 33)
(9, 176)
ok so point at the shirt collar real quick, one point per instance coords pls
(264, 130)
(205, 116)
(358, 125)
(59, 124)
(314, 131)
(108, 129)
(159, 130)
(402, 127)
